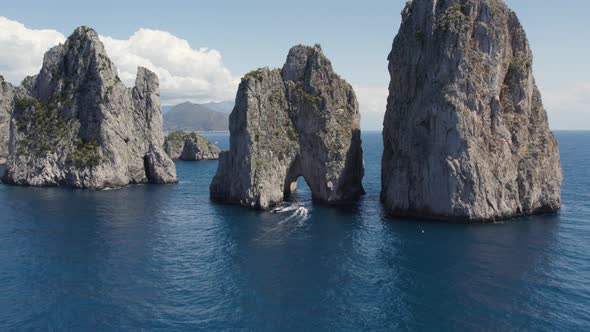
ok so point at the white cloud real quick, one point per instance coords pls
(22, 49)
(199, 75)
(572, 97)
(186, 74)
(372, 103)
(568, 105)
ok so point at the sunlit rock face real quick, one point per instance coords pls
(302, 120)
(466, 136)
(6, 106)
(75, 124)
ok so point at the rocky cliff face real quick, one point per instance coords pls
(76, 124)
(190, 147)
(6, 105)
(465, 135)
(302, 120)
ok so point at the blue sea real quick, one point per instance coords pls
(164, 258)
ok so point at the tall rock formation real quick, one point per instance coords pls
(190, 147)
(6, 105)
(75, 123)
(465, 136)
(302, 120)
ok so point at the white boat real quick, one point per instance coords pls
(277, 210)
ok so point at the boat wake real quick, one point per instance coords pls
(291, 218)
(300, 214)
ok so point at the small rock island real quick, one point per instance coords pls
(302, 120)
(75, 124)
(466, 137)
(190, 147)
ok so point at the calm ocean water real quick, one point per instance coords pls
(164, 258)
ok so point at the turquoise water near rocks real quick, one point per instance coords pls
(164, 258)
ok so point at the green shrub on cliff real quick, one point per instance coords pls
(309, 97)
(42, 128)
(454, 18)
(253, 74)
(85, 153)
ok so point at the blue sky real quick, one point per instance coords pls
(356, 36)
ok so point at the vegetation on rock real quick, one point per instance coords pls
(256, 74)
(42, 127)
(454, 18)
(86, 153)
(190, 146)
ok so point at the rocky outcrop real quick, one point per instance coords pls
(302, 120)
(75, 123)
(466, 136)
(6, 105)
(190, 147)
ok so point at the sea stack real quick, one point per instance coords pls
(302, 120)
(6, 105)
(190, 147)
(75, 124)
(466, 137)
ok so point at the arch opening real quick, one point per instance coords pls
(297, 190)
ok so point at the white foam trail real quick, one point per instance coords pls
(110, 188)
(301, 214)
(287, 209)
(305, 213)
(293, 216)
(304, 216)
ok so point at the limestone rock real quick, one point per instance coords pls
(190, 147)
(466, 137)
(159, 168)
(302, 120)
(75, 123)
(6, 105)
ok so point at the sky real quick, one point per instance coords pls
(200, 49)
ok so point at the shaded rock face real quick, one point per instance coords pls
(302, 120)
(75, 123)
(6, 105)
(465, 135)
(190, 147)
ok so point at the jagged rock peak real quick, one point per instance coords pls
(466, 137)
(76, 124)
(190, 147)
(302, 120)
(299, 59)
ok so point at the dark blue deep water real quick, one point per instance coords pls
(164, 258)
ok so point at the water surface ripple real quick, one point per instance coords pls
(164, 258)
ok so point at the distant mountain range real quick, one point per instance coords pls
(222, 106)
(197, 117)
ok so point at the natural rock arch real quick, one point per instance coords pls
(294, 173)
(302, 120)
